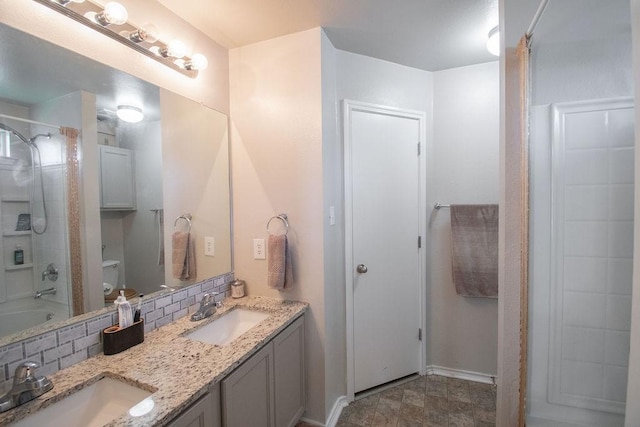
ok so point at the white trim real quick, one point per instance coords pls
(477, 377)
(347, 107)
(334, 416)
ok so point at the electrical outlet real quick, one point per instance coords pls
(209, 246)
(259, 251)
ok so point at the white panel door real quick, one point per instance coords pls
(385, 201)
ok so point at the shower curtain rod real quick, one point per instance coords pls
(32, 122)
(536, 18)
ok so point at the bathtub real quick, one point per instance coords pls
(10, 323)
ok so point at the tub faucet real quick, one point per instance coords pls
(207, 307)
(26, 386)
(50, 291)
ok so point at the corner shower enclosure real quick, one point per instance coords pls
(582, 214)
(33, 219)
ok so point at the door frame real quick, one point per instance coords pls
(348, 107)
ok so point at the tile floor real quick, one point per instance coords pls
(426, 401)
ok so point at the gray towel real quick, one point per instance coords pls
(184, 256)
(280, 271)
(474, 250)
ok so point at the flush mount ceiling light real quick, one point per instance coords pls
(493, 42)
(112, 21)
(129, 113)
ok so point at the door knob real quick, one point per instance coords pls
(361, 268)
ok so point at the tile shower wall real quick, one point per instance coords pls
(63, 347)
(593, 178)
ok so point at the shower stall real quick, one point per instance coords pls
(581, 214)
(34, 269)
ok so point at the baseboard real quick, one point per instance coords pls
(462, 374)
(339, 404)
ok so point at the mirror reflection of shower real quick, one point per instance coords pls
(35, 285)
(31, 142)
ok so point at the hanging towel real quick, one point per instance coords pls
(280, 270)
(474, 250)
(160, 216)
(184, 256)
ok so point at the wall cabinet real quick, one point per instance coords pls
(205, 412)
(117, 179)
(268, 389)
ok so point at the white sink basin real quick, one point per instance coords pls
(228, 327)
(94, 405)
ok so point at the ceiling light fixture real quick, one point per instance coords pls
(111, 20)
(493, 42)
(129, 113)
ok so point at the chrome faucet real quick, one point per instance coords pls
(207, 307)
(26, 386)
(50, 291)
(51, 273)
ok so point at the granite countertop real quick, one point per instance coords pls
(177, 370)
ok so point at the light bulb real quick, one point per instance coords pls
(176, 49)
(129, 113)
(145, 33)
(113, 13)
(198, 62)
(493, 42)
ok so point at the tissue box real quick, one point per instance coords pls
(116, 340)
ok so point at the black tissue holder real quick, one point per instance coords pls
(116, 340)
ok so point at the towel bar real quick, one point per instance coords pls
(282, 217)
(440, 205)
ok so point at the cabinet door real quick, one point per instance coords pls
(117, 179)
(203, 413)
(288, 348)
(247, 393)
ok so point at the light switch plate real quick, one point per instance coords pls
(209, 246)
(259, 251)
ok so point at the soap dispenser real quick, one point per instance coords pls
(125, 314)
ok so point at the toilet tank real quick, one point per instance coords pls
(110, 269)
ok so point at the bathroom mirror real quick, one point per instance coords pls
(177, 160)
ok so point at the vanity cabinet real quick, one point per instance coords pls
(205, 412)
(268, 389)
(248, 392)
(117, 179)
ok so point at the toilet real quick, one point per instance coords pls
(110, 270)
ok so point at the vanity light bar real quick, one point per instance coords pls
(125, 33)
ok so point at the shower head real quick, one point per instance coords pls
(32, 141)
(15, 132)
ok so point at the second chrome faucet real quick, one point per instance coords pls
(207, 308)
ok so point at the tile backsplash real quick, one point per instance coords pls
(72, 343)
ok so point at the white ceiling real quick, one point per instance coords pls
(426, 34)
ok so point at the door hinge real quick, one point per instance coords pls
(419, 242)
(418, 148)
(419, 334)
